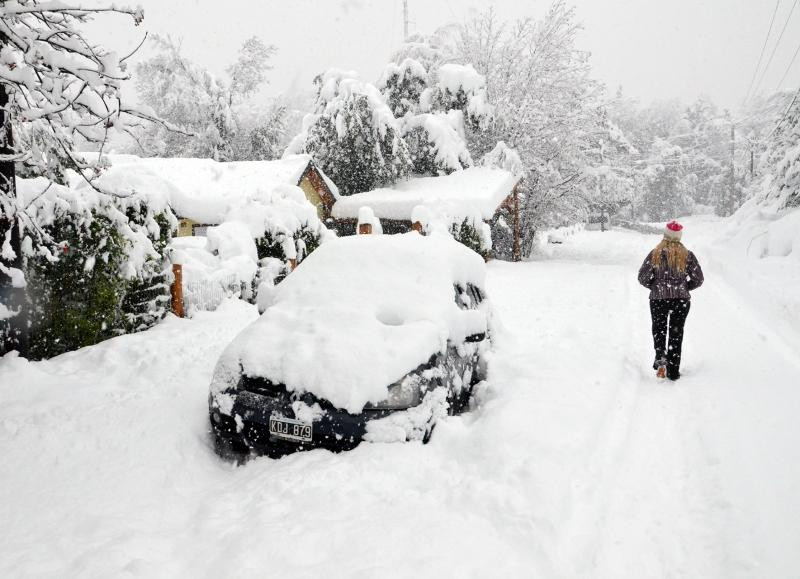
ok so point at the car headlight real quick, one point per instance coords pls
(402, 395)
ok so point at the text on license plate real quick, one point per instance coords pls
(289, 429)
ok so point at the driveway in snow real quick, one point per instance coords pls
(577, 462)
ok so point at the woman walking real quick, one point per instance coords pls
(670, 272)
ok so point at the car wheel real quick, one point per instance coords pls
(428, 433)
(453, 403)
(230, 449)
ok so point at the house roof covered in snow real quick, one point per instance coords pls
(476, 189)
(204, 190)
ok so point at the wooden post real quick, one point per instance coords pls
(177, 290)
(365, 228)
(417, 226)
(292, 264)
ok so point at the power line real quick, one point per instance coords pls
(788, 68)
(775, 48)
(784, 115)
(763, 48)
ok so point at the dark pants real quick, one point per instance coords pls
(669, 316)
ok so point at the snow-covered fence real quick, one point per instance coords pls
(208, 294)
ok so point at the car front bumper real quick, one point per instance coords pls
(247, 426)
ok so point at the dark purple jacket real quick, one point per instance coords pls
(665, 284)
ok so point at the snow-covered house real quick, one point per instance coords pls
(483, 193)
(204, 190)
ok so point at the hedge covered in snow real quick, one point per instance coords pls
(94, 264)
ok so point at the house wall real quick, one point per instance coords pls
(313, 195)
(185, 227)
(189, 228)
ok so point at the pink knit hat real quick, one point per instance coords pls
(673, 230)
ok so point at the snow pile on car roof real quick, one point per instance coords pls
(461, 193)
(359, 314)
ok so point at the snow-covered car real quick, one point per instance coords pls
(372, 337)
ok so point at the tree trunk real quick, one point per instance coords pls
(14, 336)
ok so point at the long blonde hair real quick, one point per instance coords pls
(677, 254)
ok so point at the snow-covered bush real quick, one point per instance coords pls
(57, 87)
(100, 269)
(473, 233)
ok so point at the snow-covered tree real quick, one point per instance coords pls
(431, 107)
(402, 86)
(783, 157)
(546, 107)
(436, 142)
(353, 135)
(191, 97)
(267, 136)
(430, 51)
(56, 86)
(664, 196)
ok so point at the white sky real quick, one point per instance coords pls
(655, 49)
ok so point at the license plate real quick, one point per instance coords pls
(289, 429)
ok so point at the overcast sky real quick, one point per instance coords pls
(655, 49)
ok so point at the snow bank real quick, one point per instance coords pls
(359, 314)
(767, 226)
(480, 189)
(757, 250)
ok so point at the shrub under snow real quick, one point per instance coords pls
(99, 269)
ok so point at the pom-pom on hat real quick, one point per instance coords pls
(673, 230)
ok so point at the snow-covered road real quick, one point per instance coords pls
(577, 463)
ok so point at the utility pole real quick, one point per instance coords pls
(405, 20)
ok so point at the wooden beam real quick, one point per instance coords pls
(177, 290)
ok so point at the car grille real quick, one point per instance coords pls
(263, 387)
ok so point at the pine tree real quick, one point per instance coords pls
(354, 137)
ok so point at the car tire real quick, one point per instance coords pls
(229, 449)
(426, 438)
